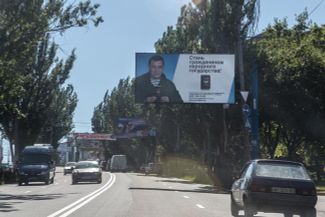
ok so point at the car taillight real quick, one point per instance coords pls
(257, 188)
(308, 192)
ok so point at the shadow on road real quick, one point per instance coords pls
(180, 190)
(176, 181)
(6, 206)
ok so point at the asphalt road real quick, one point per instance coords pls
(120, 195)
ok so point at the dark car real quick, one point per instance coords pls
(87, 171)
(69, 167)
(153, 168)
(36, 165)
(274, 186)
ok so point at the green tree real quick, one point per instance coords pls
(60, 117)
(30, 72)
(292, 73)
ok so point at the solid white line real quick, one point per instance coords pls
(26, 192)
(88, 200)
(200, 206)
(80, 200)
(186, 197)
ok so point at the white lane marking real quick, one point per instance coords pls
(56, 183)
(88, 200)
(186, 197)
(82, 199)
(200, 206)
(176, 191)
(26, 192)
(170, 187)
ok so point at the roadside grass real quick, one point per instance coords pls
(188, 169)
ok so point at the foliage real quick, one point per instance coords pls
(292, 73)
(31, 76)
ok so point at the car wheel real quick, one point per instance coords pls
(309, 212)
(52, 180)
(74, 182)
(20, 183)
(234, 208)
(248, 209)
(99, 181)
(26, 183)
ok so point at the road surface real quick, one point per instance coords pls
(120, 195)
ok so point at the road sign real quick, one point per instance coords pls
(246, 109)
(244, 94)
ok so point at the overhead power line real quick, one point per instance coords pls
(317, 6)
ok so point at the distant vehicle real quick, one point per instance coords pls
(69, 167)
(274, 186)
(103, 165)
(6, 167)
(153, 168)
(142, 168)
(87, 171)
(118, 163)
(36, 165)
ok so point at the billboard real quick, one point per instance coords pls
(184, 78)
(128, 128)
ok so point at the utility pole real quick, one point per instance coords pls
(241, 72)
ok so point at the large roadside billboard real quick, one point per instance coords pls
(128, 128)
(184, 78)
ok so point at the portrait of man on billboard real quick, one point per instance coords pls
(154, 86)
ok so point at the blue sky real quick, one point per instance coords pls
(107, 53)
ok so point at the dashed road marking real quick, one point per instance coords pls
(200, 206)
(26, 192)
(187, 197)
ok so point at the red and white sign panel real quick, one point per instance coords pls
(94, 136)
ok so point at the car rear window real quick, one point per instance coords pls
(285, 171)
(85, 165)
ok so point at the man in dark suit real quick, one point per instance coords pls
(154, 87)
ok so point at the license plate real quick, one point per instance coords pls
(284, 190)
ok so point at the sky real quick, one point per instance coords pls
(107, 53)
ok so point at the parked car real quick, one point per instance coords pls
(153, 168)
(69, 167)
(118, 163)
(36, 165)
(103, 165)
(7, 168)
(87, 171)
(274, 186)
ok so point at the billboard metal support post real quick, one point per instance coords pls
(255, 143)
